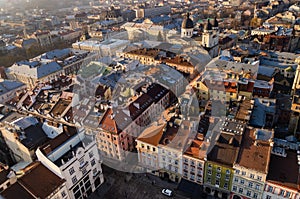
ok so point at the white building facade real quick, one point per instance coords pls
(77, 161)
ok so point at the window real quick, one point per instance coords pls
(281, 192)
(148, 147)
(209, 172)
(259, 178)
(84, 171)
(250, 184)
(225, 185)
(236, 179)
(270, 189)
(251, 176)
(268, 197)
(242, 181)
(241, 190)
(227, 177)
(153, 149)
(63, 194)
(237, 171)
(219, 169)
(81, 162)
(218, 182)
(234, 188)
(95, 171)
(255, 195)
(227, 171)
(74, 180)
(71, 170)
(93, 162)
(257, 187)
(209, 166)
(192, 177)
(208, 180)
(243, 173)
(91, 154)
(288, 194)
(248, 193)
(218, 175)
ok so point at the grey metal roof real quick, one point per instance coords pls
(34, 69)
(8, 85)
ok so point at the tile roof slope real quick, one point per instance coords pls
(224, 152)
(176, 137)
(35, 136)
(194, 149)
(114, 120)
(41, 181)
(144, 101)
(3, 174)
(251, 156)
(52, 144)
(284, 171)
(152, 135)
(17, 191)
(157, 92)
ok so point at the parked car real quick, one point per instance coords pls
(167, 192)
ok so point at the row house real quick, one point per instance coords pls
(221, 156)
(32, 71)
(283, 176)
(161, 146)
(22, 134)
(32, 184)
(73, 156)
(147, 146)
(121, 125)
(9, 89)
(216, 90)
(214, 85)
(112, 138)
(172, 145)
(49, 66)
(255, 88)
(145, 56)
(252, 164)
(193, 160)
(152, 56)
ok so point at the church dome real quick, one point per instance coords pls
(187, 23)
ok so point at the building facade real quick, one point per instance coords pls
(73, 156)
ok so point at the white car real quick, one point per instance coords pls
(167, 192)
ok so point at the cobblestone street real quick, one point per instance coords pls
(133, 186)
